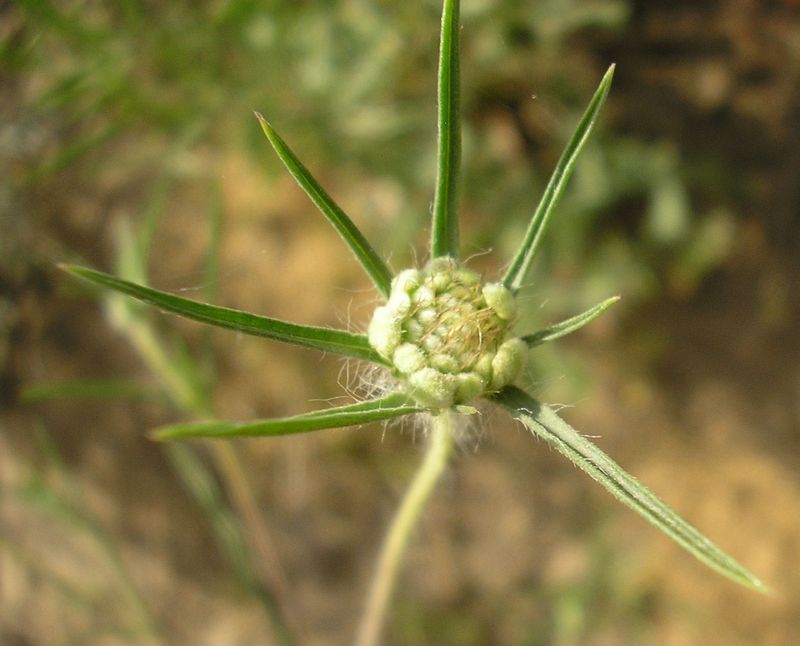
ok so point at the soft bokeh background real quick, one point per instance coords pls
(127, 142)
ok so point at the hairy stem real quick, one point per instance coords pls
(396, 541)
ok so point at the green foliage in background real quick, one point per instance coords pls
(146, 91)
(132, 83)
(445, 336)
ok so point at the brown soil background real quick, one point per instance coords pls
(696, 392)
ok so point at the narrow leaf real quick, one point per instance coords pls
(444, 230)
(515, 275)
(320, 338)
(543, 421)
(394, 405)
(367, 256)
(570, 325)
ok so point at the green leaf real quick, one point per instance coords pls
(320, 338)
(543, 421)
(570, 325)
(367, 256)
(444, 230)
(394, 405)
(519, 266)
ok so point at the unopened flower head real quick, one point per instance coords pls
(446, 334)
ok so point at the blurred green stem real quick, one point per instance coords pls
(268, 568)
(267, 565)
(406, 518)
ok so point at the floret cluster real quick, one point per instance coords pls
(446, 334)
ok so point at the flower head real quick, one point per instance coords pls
(446, 335)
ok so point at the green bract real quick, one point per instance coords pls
(444, 335)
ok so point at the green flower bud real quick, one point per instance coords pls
(424, 296)
(501, 300)
(406, 281)
(483, 366)
(399, 302)
(408, 358)
(469, 385)
(433, 388)
(466, 277)
(508, 362)
(384, 331)
(414, 331)
(444, 362)
(427, 315)
(446, 335)
(432, 342)
(440, 282)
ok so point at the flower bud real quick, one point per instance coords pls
(508, 362)
(446, 335)
(433, 388)
(384, 331)
(408, 358)
(501, 300)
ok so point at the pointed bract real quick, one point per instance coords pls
(544, 422)
(394, 405)
(444, 229)
(515, 275)
(363, 251)
(320, 338)
(570, 325)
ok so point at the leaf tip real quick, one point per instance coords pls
(605, 83)
(163, 434)
(77, 271)
(609, 75)
(759, 586)
(266, 126)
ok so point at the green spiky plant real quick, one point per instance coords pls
(445, 339)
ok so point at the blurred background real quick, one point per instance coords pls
(127, 142)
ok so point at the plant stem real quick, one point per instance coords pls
(396, 541)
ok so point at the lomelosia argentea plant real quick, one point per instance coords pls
(445, 337)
